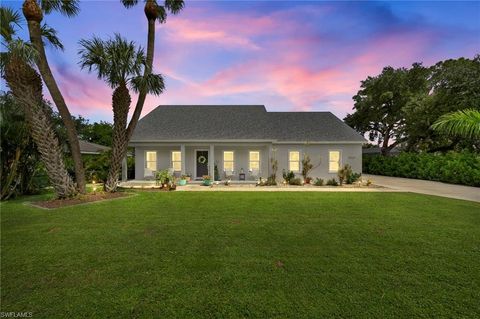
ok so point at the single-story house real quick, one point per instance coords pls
(242, 140)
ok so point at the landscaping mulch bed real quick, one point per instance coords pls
(81, 199)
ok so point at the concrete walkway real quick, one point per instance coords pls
(426, 187)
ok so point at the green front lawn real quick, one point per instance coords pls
(237, 255)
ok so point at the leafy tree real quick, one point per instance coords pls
(33, 12)
(98, 132)
(454, 85)
(26, 85)
(20, 163)
(379, 104)
(121, 65)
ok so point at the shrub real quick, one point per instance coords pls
(319, 182)
(353, 178)
(332, 182)
(295, 181)
(452, 167)
(344, 173)
(307, 166)
(164, 177)
(271, 181)
(96, 166)
(288, 176)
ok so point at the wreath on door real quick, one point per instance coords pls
(202, 159)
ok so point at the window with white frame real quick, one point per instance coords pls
(151, 160)
(294, 161)
(334, 162)
(177, 161)
(228, 161)
(254, 161)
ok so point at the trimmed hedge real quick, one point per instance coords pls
(453, 167)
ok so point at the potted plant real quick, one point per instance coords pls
(183, 180)
(207, 180)
(162, 178)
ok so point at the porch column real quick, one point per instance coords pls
(124, 169)
(269, 163)
(182, 154)
(211, 161)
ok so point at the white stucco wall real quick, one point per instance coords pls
(319, 154)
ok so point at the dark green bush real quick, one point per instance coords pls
(352, 178)
(295, 181)
(453, 167)
(288, 176)
(332, 182)
(319, 182)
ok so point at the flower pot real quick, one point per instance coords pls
(182, 182)
(207, 182)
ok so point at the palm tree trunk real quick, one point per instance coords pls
(26, 86)
(44, 68)
(148, 70)
(121, 104)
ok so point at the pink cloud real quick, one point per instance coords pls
(83, 93)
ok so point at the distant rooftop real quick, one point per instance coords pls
(91, 148)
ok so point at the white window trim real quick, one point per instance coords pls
(146, 158)
(339, 160)
(299, 160)
(172, 161)
(250, 161)
(233, 161)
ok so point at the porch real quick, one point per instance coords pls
(242, 162)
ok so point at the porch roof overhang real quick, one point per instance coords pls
(220, 141)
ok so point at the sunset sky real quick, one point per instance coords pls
(287, 55)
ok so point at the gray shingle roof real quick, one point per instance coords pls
(311, 126)
(240, 122)
(91, 148)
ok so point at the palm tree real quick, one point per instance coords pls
(463, 123)
(153, 12)
(120, 64)
(26, 85)
(33, 12)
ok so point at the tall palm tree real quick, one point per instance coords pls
(463, 123)
(26, 85)
(120, 64)
(153, 12)
(33, 12)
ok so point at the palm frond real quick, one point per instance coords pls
(68, 8)
(129, 3)
(174, 6)
(116, 60)
(152, 83)
(93, 56)
(161, 14)
(19, 49)
(9, 18)
(464, 123)
(50, 34)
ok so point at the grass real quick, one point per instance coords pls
(237, 255)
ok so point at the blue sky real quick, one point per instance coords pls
(288, 55)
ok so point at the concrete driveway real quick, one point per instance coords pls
(427, 187)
